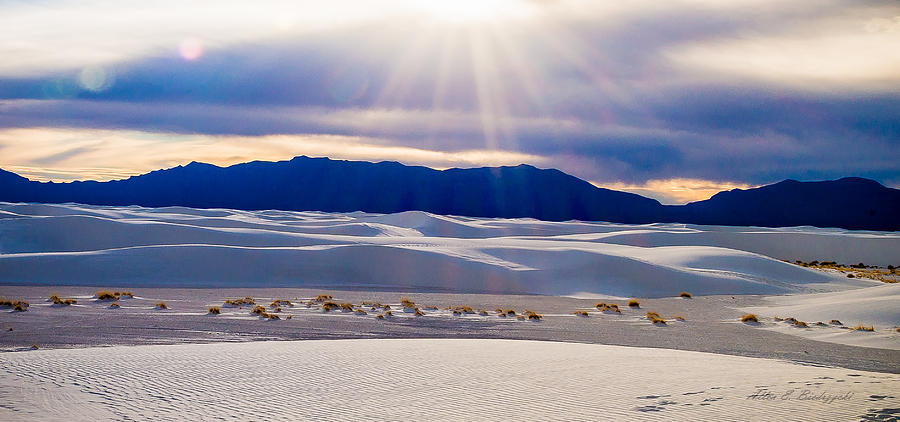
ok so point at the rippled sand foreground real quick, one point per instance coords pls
(428, 379)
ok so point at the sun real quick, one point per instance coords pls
(475, 11)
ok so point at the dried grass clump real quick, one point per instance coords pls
(406, 303)
(634, 303)
(387, 307)
(750, 318)
(679, 318)
(653, 314)
(258, 310)
(347, 307)
(17, 305)
(601, 305)
(861, 327)
(419, 313)
(114, 305)
(510, 312)
(105, 295)
(801, 324)
(521, 317)
(610, 308)
(388, 313)
(214, 310)
(532, 315)
(821, 324)
(63, 302)
(124, 294)
(790, 320)
(322, 298)
(281, 302)
(456, 312)
(462, 309)
(483, 312)
(835, 322)
(247, 300)
(686, 295)
(582, 313)
(657, 321)
(329, 306)
(162, 305)
(361, 312)
(777, 319)
(269, 316)
(379, 316)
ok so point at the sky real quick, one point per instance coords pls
(674, 100)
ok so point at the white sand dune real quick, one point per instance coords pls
(428, 379)
(174, 246)
(877, 306)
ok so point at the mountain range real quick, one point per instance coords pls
(322, 184)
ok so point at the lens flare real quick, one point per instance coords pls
(191, 49)
(95, 79)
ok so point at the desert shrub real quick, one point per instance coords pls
(686, 295)
(520, 317)
(821, 324)
(581, 313)
(851, 275)
(289, 317)
(281, 302)
(162, 305)
(657, 321)
(64, 302)
(272, 316)
(502, 315)
(214, 310)
(861, 327)
(361, 312)
(388, 313)
(777, 319)
(456, 312)
(483, 312)
(379, 316)
(323, 298)
(634, 303)
(801, 324)
(510, 312)
(419, 313)
(247, 300)
(600, 305)
(105, 295)
(258, 310)
(498, 310)
(835, 322)
(114, 305)
(533, 315)
(406, 303)
(20, 306)
(750, 318)
(347, 307)
(277, 309)
(127, 294)
(387, 307)
(790, 320)
(653, 315)
(610, 308)
(329, 306)
(680, 318)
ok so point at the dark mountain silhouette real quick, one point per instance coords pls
(322, 184)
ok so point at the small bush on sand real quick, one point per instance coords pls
(600, 305)
(388, 313)
(510, 312)
(750, 318)
(611, 308)
(34, 347)
(680, 318)
(379, 316)
(361, 312)
(652, 315)
(861, 327)
(258, 310)
(777, 319)
(125, 294)
(532, 315)
(406, 303)
(281, 302)
(686, 295)
(289, 317)
(419, 313)
(521, 317)
(634, 303)
(323, 298)
(247, 300)
(330, 306)
(483, 312)
(851, 275)
(62, 302)
(790, 320)
(801, 324)
(271, 316)
(214, 310)
(581, 313)
(835, 322)
(105, 295)
(347, 307)
(114, 305)
(20, 307)
(821, 324)
(456, 312)
(657, 321)
(162, 305)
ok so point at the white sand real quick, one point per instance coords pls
(415, 251)
(427, 379)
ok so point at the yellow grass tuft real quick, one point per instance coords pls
(329, 306)
(258, 310)
(419, 313)
(106, 295)
(634, 303)
(281, 302)
(801, 324)
(680, 318)
(361, 312)
(835, 322)
(483, 312)
(581, 313)
(214, 310)
(64, 302)
(379, 316)
(601, 305)
(406, 303)
(162, 305)
(861, 327)
(122, 294)
(750, 318)
(114, 305)
(347, 307)
(612, 307)
(686, 295)
(532, 315)
(247, 300)
(657, 321)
